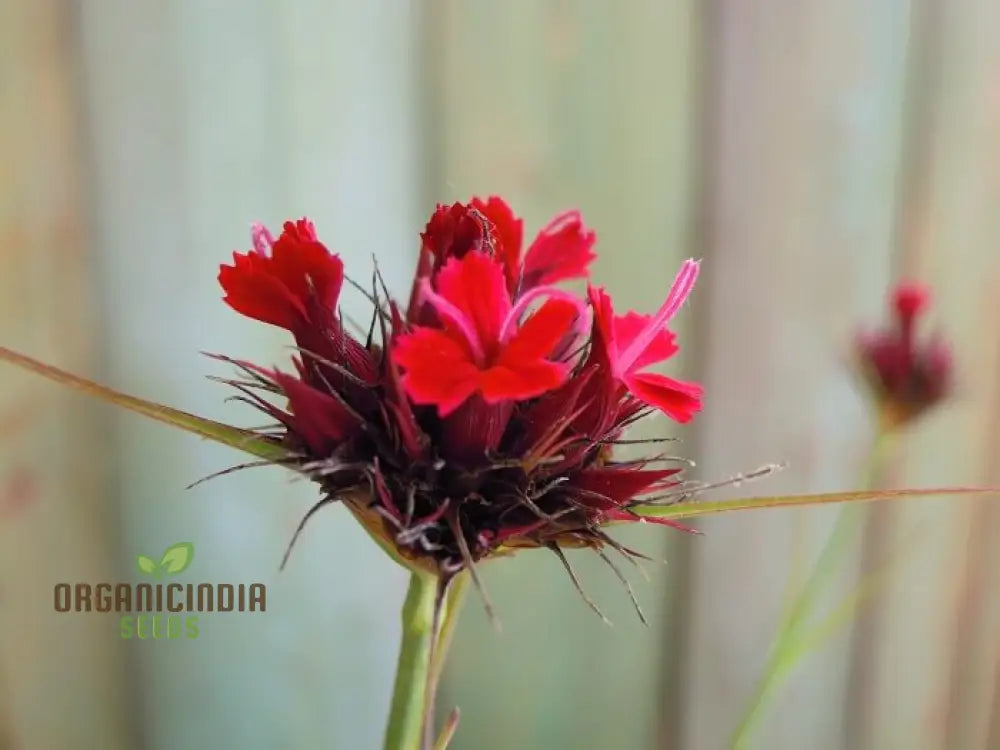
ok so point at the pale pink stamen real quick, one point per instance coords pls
(514, 316)
(581, 328)
(262, 239)
(679, 292)
(455, 316)
(561, 220)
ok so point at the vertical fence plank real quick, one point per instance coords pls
(556, 105)
(937, 613)
(55, 523)
(205, 117)
(808, 101)
(975, 642)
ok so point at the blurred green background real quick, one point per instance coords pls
(809, 152)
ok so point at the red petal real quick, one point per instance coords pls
(678, 400)
(252, 291)
(284, 287)
(305, 266)
(454, 231)
(437, 368)
(509, 234)
(526, 380)
(540, 333)
(628, 326)
(562, 250)
(476, 286)
(909, 299)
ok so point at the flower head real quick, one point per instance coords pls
(907, 376)
(483, 418)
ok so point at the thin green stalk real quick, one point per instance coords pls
(454, 598)
(449, 606)
(421, 661)
(787, 651)
(410, 694)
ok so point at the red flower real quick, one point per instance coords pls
(632, 342)
(482, 347)
(562, 250)
(455, 230)
(294, 282)
(908, 377)
(291, 283)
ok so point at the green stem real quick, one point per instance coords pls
(452, 606)
(409, 696)
(785, 651)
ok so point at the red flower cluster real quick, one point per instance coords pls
(908, 377)
(480, 417)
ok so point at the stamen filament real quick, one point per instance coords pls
(456, 317)
(679, 292)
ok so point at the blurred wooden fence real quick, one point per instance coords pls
(809, 152)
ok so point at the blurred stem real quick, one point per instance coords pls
(410, 694)
(787, 651)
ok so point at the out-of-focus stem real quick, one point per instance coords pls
(785, 650)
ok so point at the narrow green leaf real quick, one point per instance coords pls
(146, 565)
(177, 557)
(709, 507)
(234, 437)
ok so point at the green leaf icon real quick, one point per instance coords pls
(147, 566)
(177, 557)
